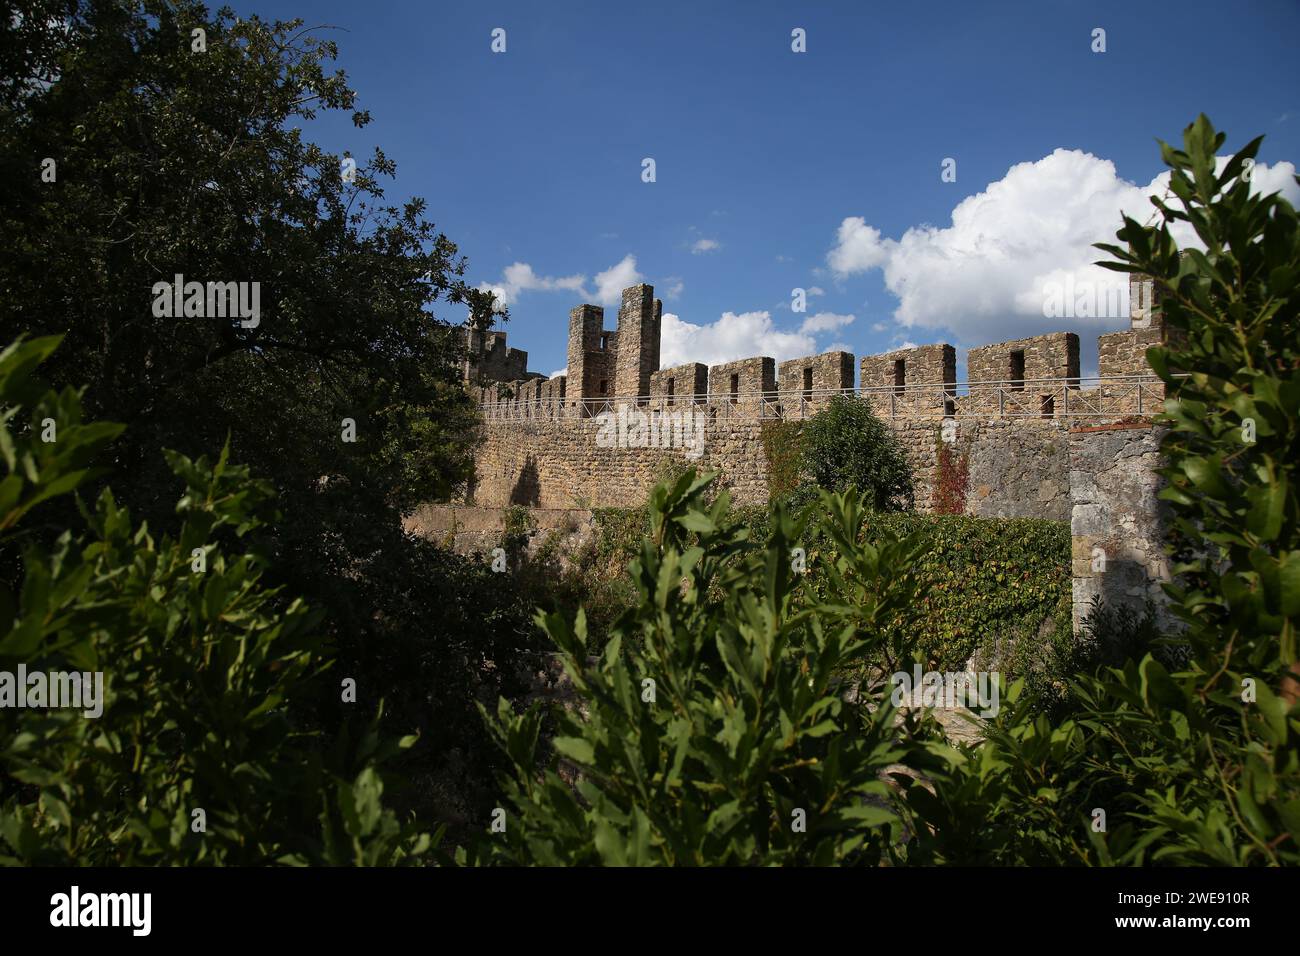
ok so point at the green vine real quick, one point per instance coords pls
(783, 449)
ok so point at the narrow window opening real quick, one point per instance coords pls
(1017, 375)
(807, 383)
(900, 376)
(735, 387)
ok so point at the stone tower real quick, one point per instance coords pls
(606, 364)
(591, 368)
(637, 356)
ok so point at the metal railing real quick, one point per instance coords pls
(1092, 397)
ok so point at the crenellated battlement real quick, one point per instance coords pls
(1035, 377)
(1011, 420)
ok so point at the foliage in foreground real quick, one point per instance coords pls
(201, 164)
(713, 730)
(1199, 764)
(975, 577)
(205, 673)
(1186, 753)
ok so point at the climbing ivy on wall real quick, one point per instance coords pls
(783, 449)
(979, 579)
(951, 478)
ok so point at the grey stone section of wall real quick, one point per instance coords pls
(1018, 468)
(1116, 515)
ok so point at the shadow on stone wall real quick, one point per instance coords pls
(528, 486)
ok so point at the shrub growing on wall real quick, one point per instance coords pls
(978, 579)
(845, 445)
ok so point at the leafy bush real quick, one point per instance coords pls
(518, 526)
(356, 294)
(1049, 658)
(711, 731)
(206, 674)
(980, 580)
(977, 579)
(594, 576)
(845, 445)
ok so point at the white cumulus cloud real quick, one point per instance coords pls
(824, 322)
(520, 277)
(988, 274)
(733, 336)
(611, 283)
(705, 245)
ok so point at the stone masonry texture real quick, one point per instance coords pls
(803, 381)
(1018, 364)
(637, 354)
(1117, 524)
(688, 381)
(540, 446)
(921, 365)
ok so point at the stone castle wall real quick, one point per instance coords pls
(894, 371)
(541, 445)
(491, 360)
(681, 384)
(561, 464)
(1017, 468)
(544, 447)
(1118, 523)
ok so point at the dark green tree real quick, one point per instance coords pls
(170, 156)
(846, 445)
(186, 744)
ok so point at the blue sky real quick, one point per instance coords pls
(818, 170)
